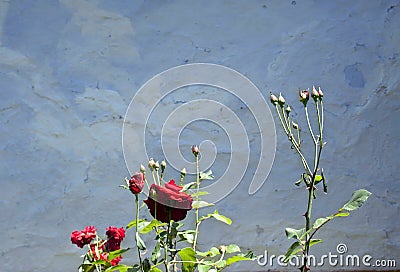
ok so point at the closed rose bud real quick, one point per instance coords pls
(314, 94)
(183, 172)
(321, 94)
(136, 183)
(304, 96)
(152, 163)
(222, 249)
(163, 165)
(195, 150)
(281, 100)
(142, 169)
(288, 109)
(295, 125)
(156, 165)
(273, 98)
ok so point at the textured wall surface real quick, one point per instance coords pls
(69, 69)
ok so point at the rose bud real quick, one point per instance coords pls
(295, 125)
(304, 96)
(195, 150)
(273, 98)
(321, 94)
(152, 163)
(163, 165)
(222, 249)
(142, 169)
(136, 183)
(314, 94)
(156, 166)
(183, 174)
(281, 100)
(288, 109)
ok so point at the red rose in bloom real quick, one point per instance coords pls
(136, 183)
(168, 203)
(115, 237)
(84, 237)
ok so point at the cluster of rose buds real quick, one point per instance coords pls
(280, 101)
(317, 94)
(304, 96)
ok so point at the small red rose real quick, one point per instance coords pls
(136, 183)
(83, 237)
(115, 237)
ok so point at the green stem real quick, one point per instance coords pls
(154, 178)
(280, 118)
(294, 143)
(317, 156)
(197, 201)
(136, 233)
(166, 262)
(309, 125)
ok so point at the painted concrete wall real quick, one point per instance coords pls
(69, 69)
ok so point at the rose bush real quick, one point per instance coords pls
(169, 204)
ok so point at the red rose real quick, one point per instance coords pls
(168, 203)
(136, 183)
(115, 237)
(84, 237)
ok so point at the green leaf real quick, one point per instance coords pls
(357, 200)
(116, 253)
(318, 179)
(293, 250)
(133, 223)
(211, 253)
(124, 186)
(199, 193)
(320, 221)
(324, 182)
(187, 235)
(203, 267)
(149, 227)
(206, 175)
(315, 241)
(290, 233)
(187, 186)
(119, 267)
(188, 255)
(237, 258)
(217, 216)
(156, 253)
(155, 269)
(214, 251)
(220, 264)
(200, 204)
(87, 268)
(139, 242)
(341, 214)
(232, 248)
